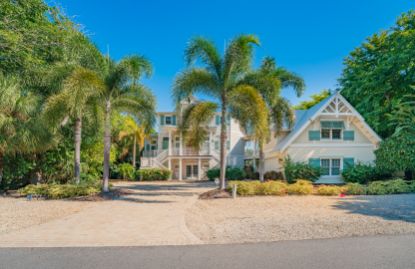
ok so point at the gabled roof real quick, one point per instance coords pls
(303, 118)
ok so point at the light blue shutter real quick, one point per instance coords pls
(173, 120)
(314, 162)
(348, 135)
(162, 120)
(216, 145)
(348, 163)
(313, 135)
(217, 120)
(228, 144)
(228, 119)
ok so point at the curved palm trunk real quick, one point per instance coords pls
(222, 145)
(261, 165)
(78, 139)
(134, 151)
(107, 145)
(1, 168)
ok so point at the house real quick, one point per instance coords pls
(166, 149)
(330, 135)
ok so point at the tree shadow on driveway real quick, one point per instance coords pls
(389, 207)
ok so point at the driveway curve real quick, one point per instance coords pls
(147, 214)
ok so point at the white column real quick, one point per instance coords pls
(210, 143)
(199, 169)
(169, 144)
(180, 169)
(169, 167)
(181, 144)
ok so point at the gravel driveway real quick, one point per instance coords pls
(254, 219)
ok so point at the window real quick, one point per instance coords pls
(165, 144)
(331, 130)
(168, 120)
(330, 167)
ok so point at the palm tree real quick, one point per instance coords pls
(21, 128)
(269, 80)
(124, 93)
(131, 130)
(77, 99)
(218, 77)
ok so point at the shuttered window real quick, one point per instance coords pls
(314, 162)
(217, 120)
(348, 135)
(348, 163)
(313, 135)
(162, 120)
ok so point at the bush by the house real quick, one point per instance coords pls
(294, 170)
(329, 190)
(250, 173)
(300, 187)
(153, 174)
(232, 173)
(273, 175)
(247, 188)
(395, 186)
(127, 171)
(364, 173)
(412, 186)
(60, 191)
(355, 189)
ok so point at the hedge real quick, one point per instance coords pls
(153, 174)
(60, 191)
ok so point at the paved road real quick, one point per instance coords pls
(364, 252)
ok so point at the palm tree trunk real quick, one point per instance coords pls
(107, 145)
(1, 168)
(261, 165)
(222, 145)
(134, 151)
(78, 132)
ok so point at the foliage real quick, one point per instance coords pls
(397, 153)
(127, 171)
(315, 99)
(364, 173)
(395, 186)
(247, 188)
(153, 174)
(232, 173)
(273, 175)
(216, 76)
(300, 187)
(250, 173)
(60, 191)
(378, 74)
(355, 189)
(329, 190)
(295, 170)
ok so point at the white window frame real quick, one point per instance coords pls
(170, 119)
(331, 132)
(331, 165)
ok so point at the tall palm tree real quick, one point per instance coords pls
(131, 130)
(217, 77)
(21, 128)
(77, 99)
(269, 80)
(124, 93)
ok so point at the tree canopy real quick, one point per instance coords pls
(315, 99)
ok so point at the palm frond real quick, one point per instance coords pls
(204, 49)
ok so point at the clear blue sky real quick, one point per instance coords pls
(310, 38)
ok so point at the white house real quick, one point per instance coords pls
(330, 135)
(166, 148)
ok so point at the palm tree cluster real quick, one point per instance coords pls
(253, 97)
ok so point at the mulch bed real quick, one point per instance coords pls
(215, 194)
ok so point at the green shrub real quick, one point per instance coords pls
(127, 171)
(232, 173)
(412, 186)
(273, 175)
(355, 189)
(250, 173)
(248, 188)
(395, 186)
(60, 191)
(301, 187)
(364, 173)
(153, 174)
(294, 170)
(329, 190)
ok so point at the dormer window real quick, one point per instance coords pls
(168, 120)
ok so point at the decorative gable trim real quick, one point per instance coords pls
(337, 106)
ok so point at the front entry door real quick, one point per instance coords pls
(191, 171)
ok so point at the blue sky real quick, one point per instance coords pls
(310, 38)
